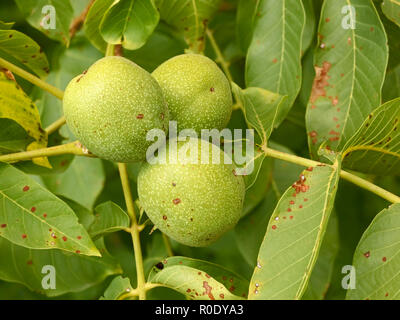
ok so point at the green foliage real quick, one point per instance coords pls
(342, 96)
(276, 45)
(375, 147)
(296, 228)
(33, 217)
(198, 279)
(190, 18)
(38, 16)
(129, 22)
(25, 50)
(376, 258)
(17, 106)
(318, 81)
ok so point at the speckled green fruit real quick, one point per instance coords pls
(112, 106)
(193, 203)
(197, 92)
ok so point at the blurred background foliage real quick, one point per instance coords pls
(237, 250)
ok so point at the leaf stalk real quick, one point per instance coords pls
(32, 79)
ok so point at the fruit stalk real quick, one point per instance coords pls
(167, 244)
(220, 58)
(56, 125)
(141, 282)
(32, 79)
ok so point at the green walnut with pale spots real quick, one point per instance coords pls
(111, 107)
(193, 203)
(197, 92)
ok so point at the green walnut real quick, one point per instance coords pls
(193, 201)
(111, 107)
(197, 92)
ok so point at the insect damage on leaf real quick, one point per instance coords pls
(320, 82)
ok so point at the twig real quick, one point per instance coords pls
(77, 23)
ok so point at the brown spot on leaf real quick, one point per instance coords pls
(8, 74)
(176, 201)
(320, 81)
(208, 290)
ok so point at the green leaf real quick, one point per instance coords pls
(73, 273)
(17, 106)
(13, 137)
(92, 23)
(25, 50)
(190, 17)
(250, 230)
(109, 217)
(391, 87)
(117, 288)
(6, 25)
(34, 218)
(149, 56)
(375, 148)
(247, 13)
(46, 14)
(257, 161)
(284, 172)
(391, 8)
(274, 56)
(294, 235)
(350, 68)
(321, 276)
(309, 27)
(129, 22)
(257, 189)
(85, 216)
(261, 108)
(82, 181)
(376, 259)
(199, 280)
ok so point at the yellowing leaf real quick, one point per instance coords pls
(16, 105)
